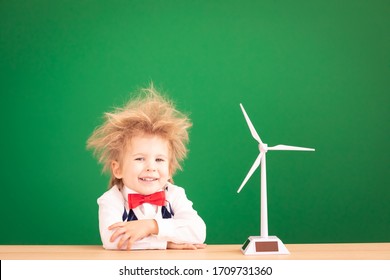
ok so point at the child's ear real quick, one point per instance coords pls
(116, 169)
(170, 179)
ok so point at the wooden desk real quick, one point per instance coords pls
(351, 251)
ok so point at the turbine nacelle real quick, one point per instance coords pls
(263, 148)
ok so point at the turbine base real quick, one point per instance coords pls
(257, 245)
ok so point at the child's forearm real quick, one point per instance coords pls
(134, 235)
(182, 230)
(131, 231)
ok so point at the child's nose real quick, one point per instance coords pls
(151, 167)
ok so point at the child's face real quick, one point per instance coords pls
(145, 164)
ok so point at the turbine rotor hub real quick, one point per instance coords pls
(263, 148)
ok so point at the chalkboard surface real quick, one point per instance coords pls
(309, 73)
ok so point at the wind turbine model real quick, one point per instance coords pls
(264, 244)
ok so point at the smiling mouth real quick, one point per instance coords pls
(148, 179)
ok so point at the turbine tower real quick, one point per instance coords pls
(263, 244)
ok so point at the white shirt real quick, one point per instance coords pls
(184, 227)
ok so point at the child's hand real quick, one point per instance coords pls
(132, 231)
(185, 246)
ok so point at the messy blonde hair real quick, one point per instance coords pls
(148, 113)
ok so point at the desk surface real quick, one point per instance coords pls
(350, 251)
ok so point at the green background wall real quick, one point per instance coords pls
(309, 73)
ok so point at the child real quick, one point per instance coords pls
(142, 145)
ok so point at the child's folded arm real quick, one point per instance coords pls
(186, 226)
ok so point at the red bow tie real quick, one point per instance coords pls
(136, 199)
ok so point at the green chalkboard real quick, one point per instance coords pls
(309, 73)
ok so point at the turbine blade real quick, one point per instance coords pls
(289, 148)
(251, 127)
(253, 168)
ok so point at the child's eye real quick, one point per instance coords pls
(139, 159)
(160, 160)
